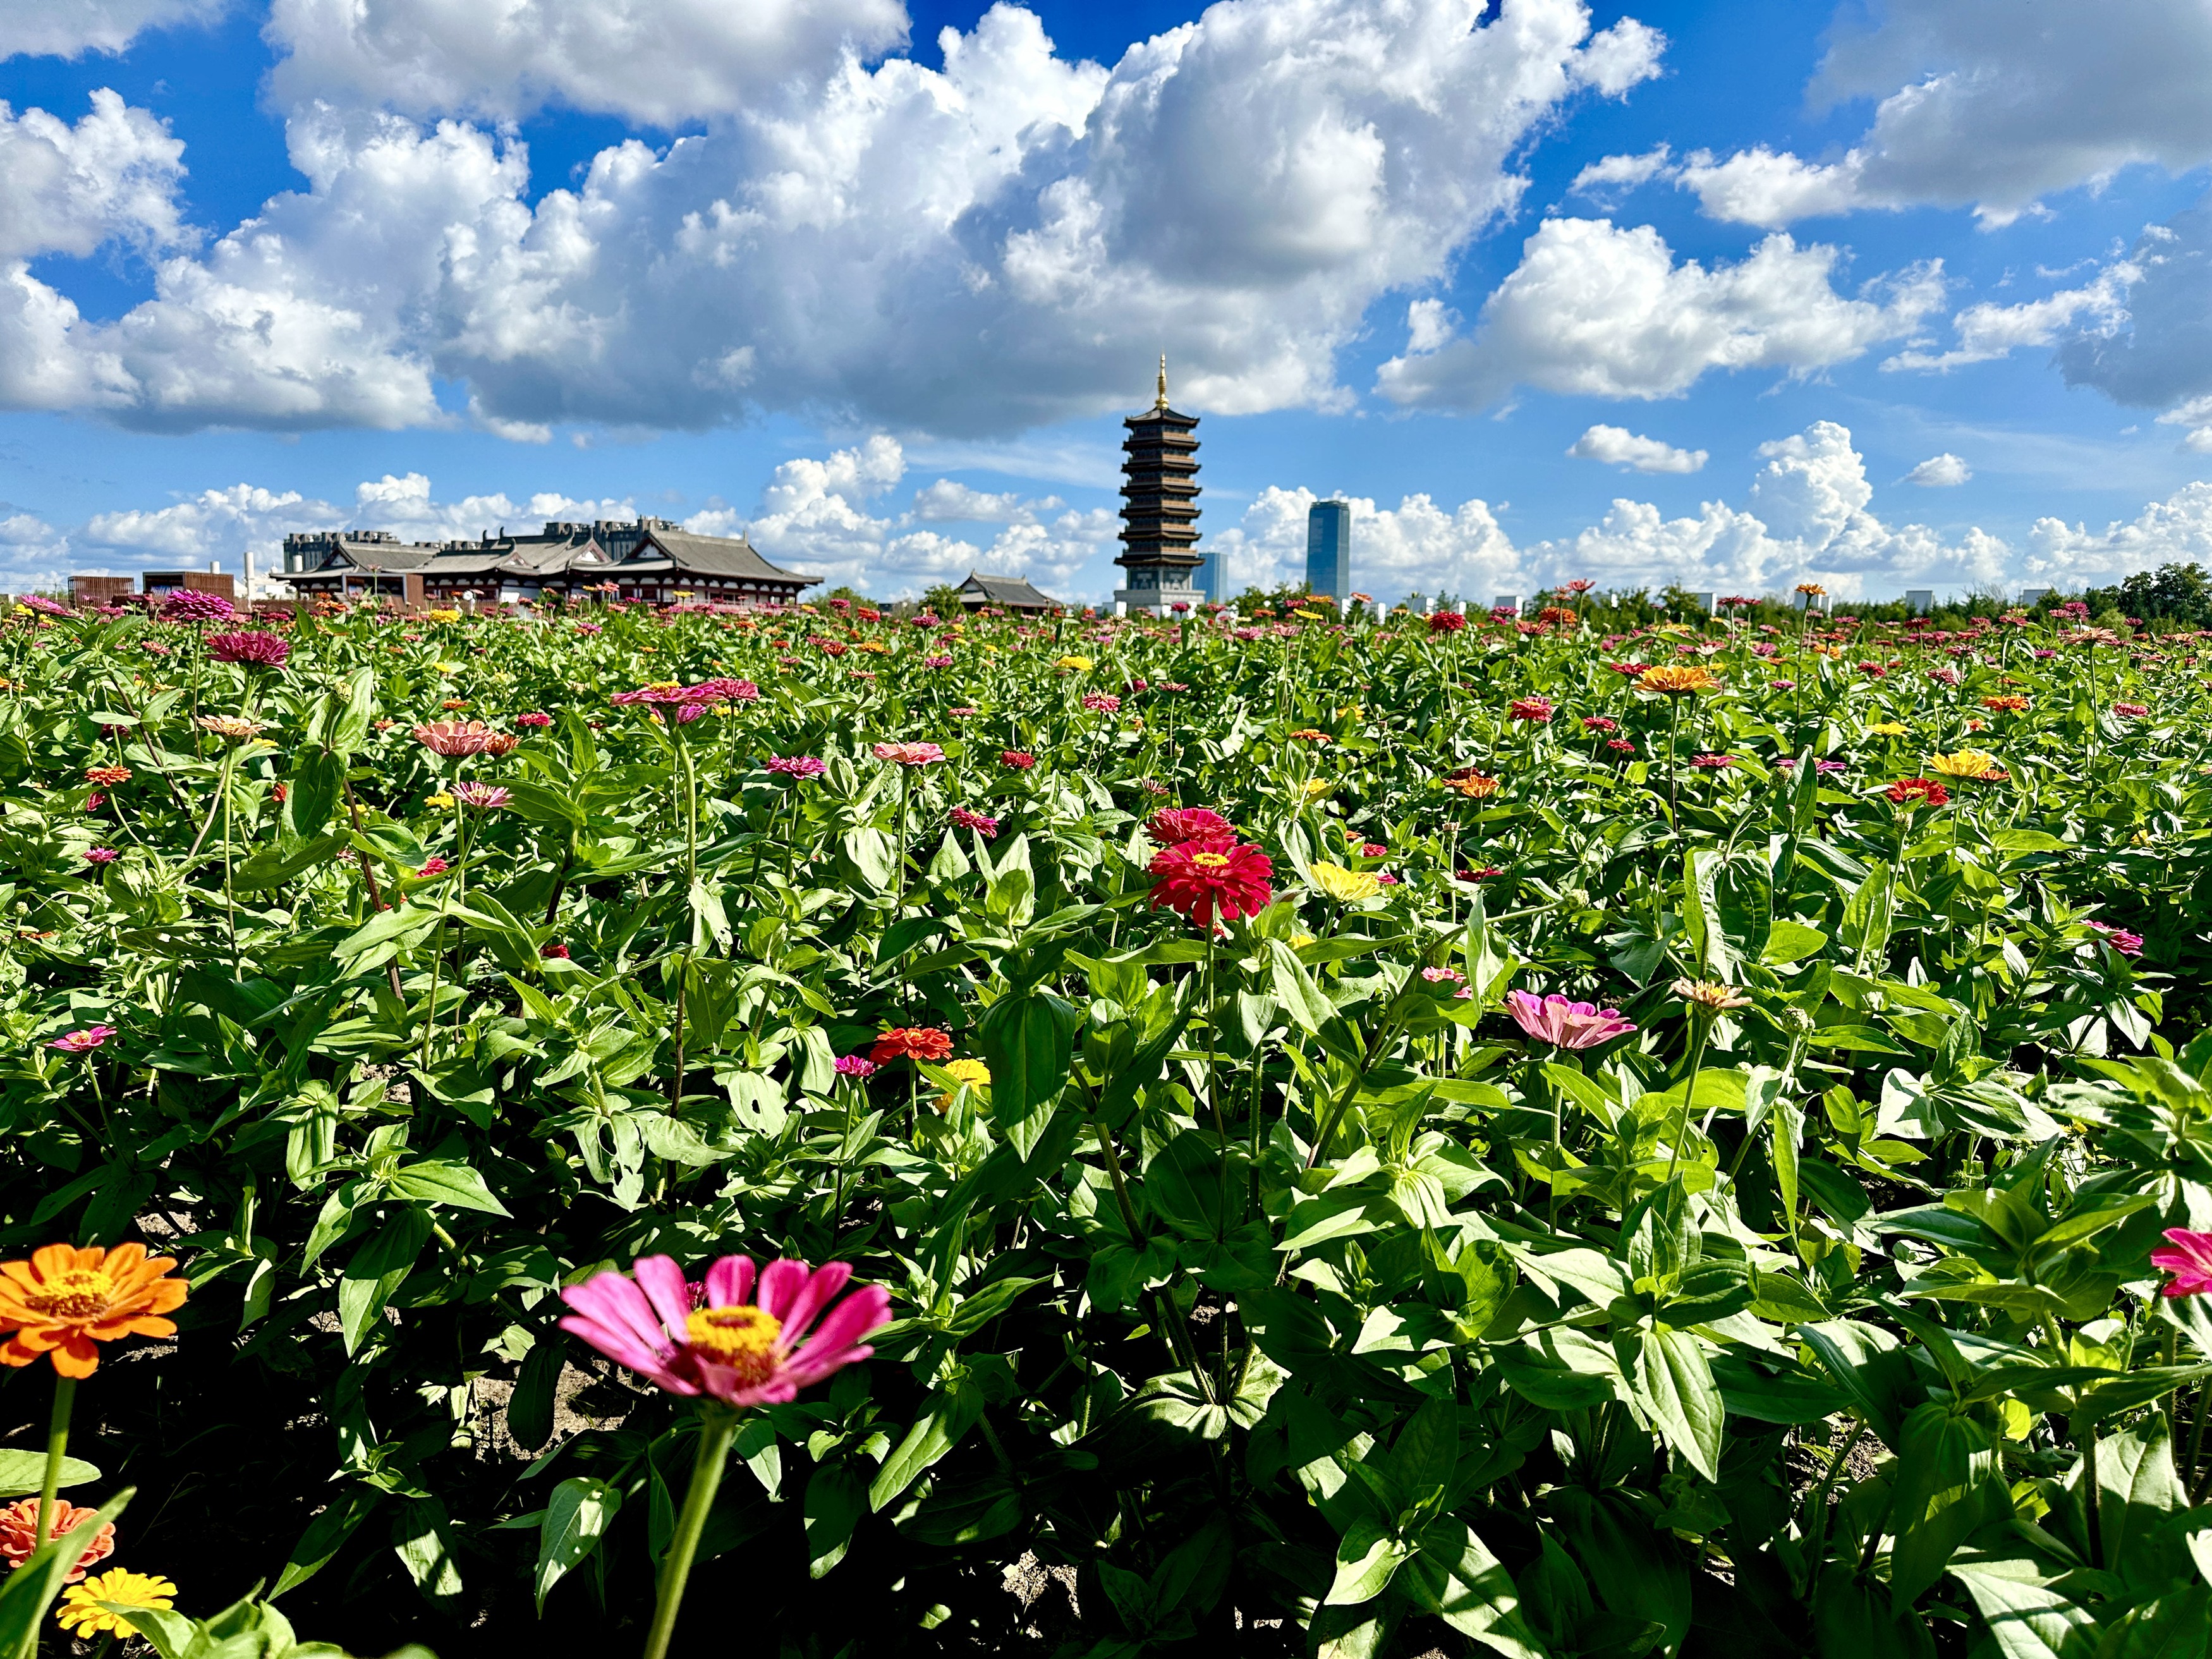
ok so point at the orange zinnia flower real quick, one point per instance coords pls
(1474, 785)
(65, 1301)
(1676, 681)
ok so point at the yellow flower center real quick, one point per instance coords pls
(744, 1339)
(1210, 861)
(80, 1293)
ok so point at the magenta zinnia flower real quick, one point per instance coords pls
(255, 650)
(796, 766)
(857, 1066)
(2189, 1258)
(710, 1338)
(981, 822)
(533, 720)
(484, 797)
(1564, 1023)
(189, 605)
(100, 855)
(84, 1041)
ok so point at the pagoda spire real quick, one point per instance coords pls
(1161, 401)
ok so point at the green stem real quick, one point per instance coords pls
(717, 1424)
(2192, 1482)
(57, 1446)
(2085, 1436)
(1699, 1025)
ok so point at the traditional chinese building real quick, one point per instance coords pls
(1159, 509)
(1012, 593)
(713, 569)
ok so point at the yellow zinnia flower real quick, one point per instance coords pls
(1349, 885)
(1965, 764)
(1314, 788)
(441, 800)
(1080, 664)
(1674, 680)
(1885, 729)
(971, 1073)
(81, 1614)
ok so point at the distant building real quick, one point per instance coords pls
(2032, 597)
(1011, 593)
(1920, 599)
(1329, 549)
(99, 590)
(210, 580)
(646, 559)
(1159, 509)
(1211, 579)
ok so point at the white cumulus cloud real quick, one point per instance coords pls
(69, 28)
(1594, 309)
(1618, 447)
(1940, 472)
(1004, 241)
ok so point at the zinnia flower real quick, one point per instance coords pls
(65, 1302)
(1172, 825)
(189, 605)
(709, 1337)
(1975, 763)
(81, 1614)
(1474, 785)
(1077, 664)
(1712, 763)
(19, 1533)
(484, 797)
(225, 726)
(969, 1073)
(1566, 1024)
(108, 777)
(1446, 622)
(1599, 723)
(2189, 1258)
(554, 951)
(83, 1041)
(100, 855)
(1349, 886)
(433, 865)
(1529, 708)
(796, 766)
(1017, 760)
(255, 649)
(454, 739)
(1310, 734)
(980, 823)
(1198, 879)
(859, 1067)
(1101, 702)
(909, 754)
(917, 1041)
(1713, 999)
(1676, 680)
(533, 718)
(2006, 705)
(1918, 791)
(2121, 940)
(2131, 711)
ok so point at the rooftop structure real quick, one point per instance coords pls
(1006, 593)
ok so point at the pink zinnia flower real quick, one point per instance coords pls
(980, 823)
(711, 1338)
(84, 1041)
(859, 1067)
(100, 855)
(937, 662)
(1712, 763)
(2131, 711)
(1102, 702)
(484, 797)
(433, 865)
(796, 766)
(909, 754)
(2189, 1260)
(1017, 760)
(2126, 944)
(1599, 723)
(1529, 708)
(1564, 1023)
(533, 720)
(189, 605)
(255, 649)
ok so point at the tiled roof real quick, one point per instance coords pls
(1008, 590)
(706, 555)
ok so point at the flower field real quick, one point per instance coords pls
(1552, 1138)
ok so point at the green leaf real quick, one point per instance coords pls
(312, 794)
(2028, 1619)
(1303, 1000)
(425, 1548)
(1368, 1557)
(442, 1182)
(26, 1471)
(950, 1414)
(836, 1497)
(1027, 1044)
(351, 730)
(541, 803)
(577, 1516)
(1677, 1386)
(872, 856)
(272, 866)
(325, 1533)
(377, 1270)
(530, 1407)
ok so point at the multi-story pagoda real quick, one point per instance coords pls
(1159, 509)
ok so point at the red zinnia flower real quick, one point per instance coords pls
(1172, 825)
(1018, 760)
(1918, 791)
(921, 1041)
(1446, 622)
(1529, 708)
(1198, 878)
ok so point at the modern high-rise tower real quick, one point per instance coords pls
(1329, 550)
(1159, 507)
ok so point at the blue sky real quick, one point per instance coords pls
(1889, 296)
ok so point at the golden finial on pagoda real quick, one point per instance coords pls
(1160, 402)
